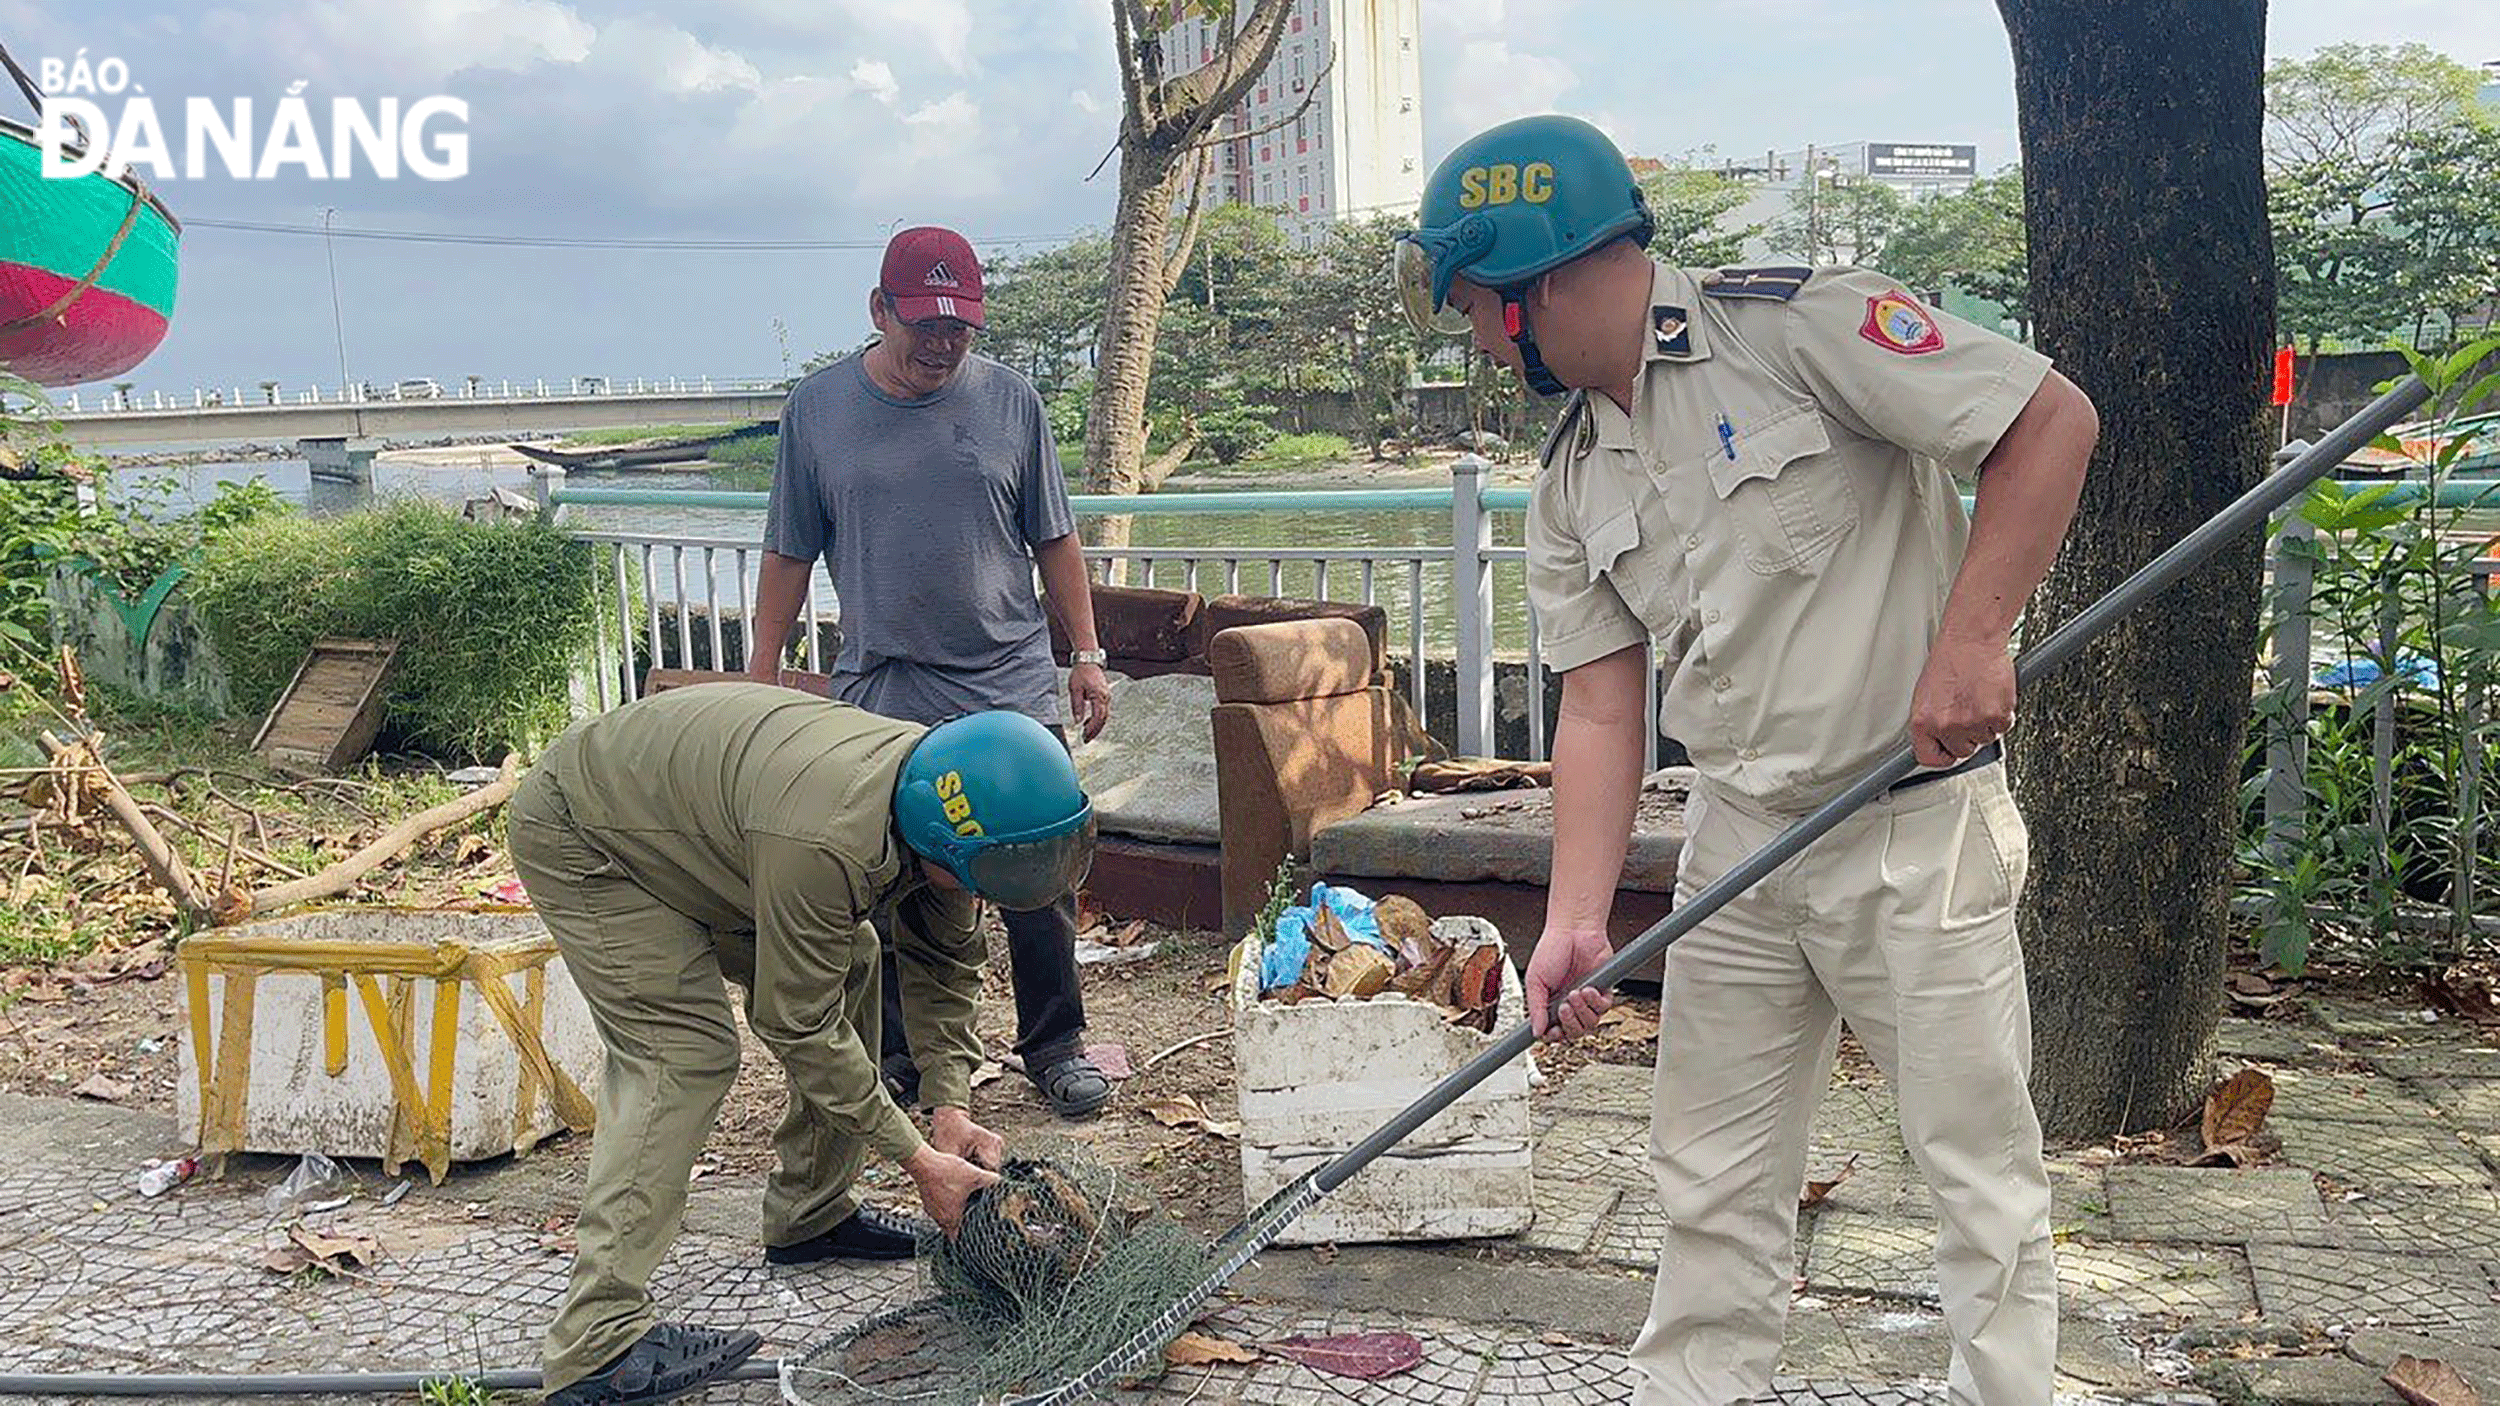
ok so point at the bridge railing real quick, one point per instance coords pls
(263, 395)
(1463, 637)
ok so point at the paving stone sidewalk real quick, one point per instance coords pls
(2380, 1234)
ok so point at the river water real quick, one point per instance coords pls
(446, 476)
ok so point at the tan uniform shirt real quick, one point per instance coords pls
(1777, 513)
(752, 808)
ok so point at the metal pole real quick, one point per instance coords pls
(2287, 751)
(2249, 510)
(2470, 774)
(1471, 594)
(338, 318)
(2383, 723)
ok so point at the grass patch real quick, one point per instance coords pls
(636, 434)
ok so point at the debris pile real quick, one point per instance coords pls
(1342, 946)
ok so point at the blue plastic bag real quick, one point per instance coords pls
(2417, 671)
(1290, 953)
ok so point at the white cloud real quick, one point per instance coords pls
(941, 29)
(1085, 102)
(875, 77)
(671, 59)
(1492, 82)
(402, 43)
(1466, 16)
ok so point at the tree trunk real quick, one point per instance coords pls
(1115, 428)
(2153, 288)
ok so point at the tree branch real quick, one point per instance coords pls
(1177, 262)
(1309, 97)
(1125, 27)
(164, 863)
(342, 876)
(1206, 93)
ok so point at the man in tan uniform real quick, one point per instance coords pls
(1755, 474)
(745, 831)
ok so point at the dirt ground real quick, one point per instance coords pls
(115, 1037)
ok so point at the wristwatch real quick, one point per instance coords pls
(1089, 656)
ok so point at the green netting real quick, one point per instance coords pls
(1063, 1281)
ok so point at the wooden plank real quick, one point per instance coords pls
(332, 710)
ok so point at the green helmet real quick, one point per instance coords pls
(995, 799)
(1510, 203)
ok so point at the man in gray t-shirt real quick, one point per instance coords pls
(927, 480)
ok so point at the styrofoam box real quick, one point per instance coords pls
(295, 1105)
(1316, 1077)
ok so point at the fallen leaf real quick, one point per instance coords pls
(2229, 1154)
(1112, 1060)
(1325, 1254)
(1816, 1190)
(1328, 932)
(335, 1249)
(1128, 936)
(1365, 1355)
(1560, 1340)
(1629, 1023)
(1186, 1113)
(103, 1088)
(2430, 1382)
(2468, 998)
(1199, 1350)
(989, 1071)
(2251, 984)
(2237, 1109)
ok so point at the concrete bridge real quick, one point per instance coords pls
(524, 412)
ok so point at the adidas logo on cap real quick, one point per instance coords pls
(940, 276)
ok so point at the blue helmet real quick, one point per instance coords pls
(1509, 204)
(995, 799)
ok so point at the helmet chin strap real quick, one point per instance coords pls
(1532, 366)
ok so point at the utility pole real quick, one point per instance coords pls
(338, 320)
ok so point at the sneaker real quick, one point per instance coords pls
(669, 1360)
(866, 1234)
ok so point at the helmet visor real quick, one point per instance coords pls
(1411, 266)
(1032, 873)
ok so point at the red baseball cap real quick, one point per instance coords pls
(932, 272)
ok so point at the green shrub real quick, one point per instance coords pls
(491, 618)
(1234, 432)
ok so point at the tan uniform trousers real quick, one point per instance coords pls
(1901, 920)
(652, 978)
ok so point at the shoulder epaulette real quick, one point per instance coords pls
(1572, 410)
(1776, 282)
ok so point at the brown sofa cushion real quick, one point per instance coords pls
(1226, 612)
(1318, 760)
(1290, 661)
(1135, 622)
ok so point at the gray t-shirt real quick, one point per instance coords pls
(926, 513)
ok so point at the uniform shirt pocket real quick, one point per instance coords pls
(1786, 498)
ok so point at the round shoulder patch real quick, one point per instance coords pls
(1897, 323)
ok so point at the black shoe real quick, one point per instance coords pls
(669, 1360)
(1074, 1087)
(867, 1234)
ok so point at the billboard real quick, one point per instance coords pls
(1934, 160)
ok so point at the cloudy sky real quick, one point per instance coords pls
(839, 119)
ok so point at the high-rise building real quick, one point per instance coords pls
(1335, 126)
